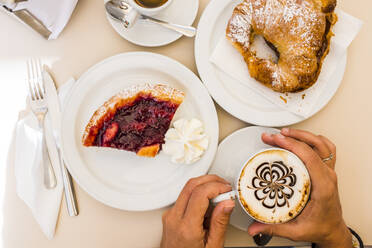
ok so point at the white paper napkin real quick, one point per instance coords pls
(54, 14)
(44, 203)
(230, 61)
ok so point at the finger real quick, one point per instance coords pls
(319, 146)
(281, 230)
(312, 161)
(219, 222)
(199, 200)
(181, 203)
(268, 139)
(332, 147)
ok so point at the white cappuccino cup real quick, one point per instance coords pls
(272, 187)
(148, 10)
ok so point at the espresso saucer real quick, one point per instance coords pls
(232, 153)
(148, 34)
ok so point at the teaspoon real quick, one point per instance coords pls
(120, 11)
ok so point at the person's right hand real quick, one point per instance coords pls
(321, 220)
(192, 222)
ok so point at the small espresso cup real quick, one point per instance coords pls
(273, 186)
(148, 10)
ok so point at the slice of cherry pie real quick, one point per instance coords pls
(134, 120)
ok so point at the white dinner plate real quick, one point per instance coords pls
(148, 34)
(122, 179)
(236, 98)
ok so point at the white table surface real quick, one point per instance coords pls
(89, 38)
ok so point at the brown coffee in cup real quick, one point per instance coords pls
(150, 3)
(274, 186)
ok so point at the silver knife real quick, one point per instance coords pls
(55, 116)
(11, 1)
(27, 18)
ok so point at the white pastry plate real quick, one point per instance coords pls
(122, 179)
(242, 144)
(236, 98)
(148, 34)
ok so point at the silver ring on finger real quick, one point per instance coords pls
(328, 159)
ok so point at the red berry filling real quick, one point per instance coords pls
(143, 123)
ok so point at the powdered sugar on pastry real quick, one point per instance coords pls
(300, 32)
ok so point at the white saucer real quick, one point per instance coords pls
(147, 34)
(232, 153)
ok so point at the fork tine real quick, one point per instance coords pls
(39, 81)
(34, 79)
(29, 78)
(40, 91)
(41, 75)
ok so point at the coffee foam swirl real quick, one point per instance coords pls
(274, 186)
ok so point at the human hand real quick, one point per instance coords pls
(321, 220)
(187, 224)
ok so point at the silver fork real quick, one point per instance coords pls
(39, 108)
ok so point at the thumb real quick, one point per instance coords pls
(282, 230)
(219, 220)
(257, 228)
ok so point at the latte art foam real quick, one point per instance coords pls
(274, 186)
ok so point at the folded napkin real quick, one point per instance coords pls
(54, 14)
(44, 203)
(301, 103)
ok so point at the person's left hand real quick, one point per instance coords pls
(187, 223)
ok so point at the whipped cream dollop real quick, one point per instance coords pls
(186, 142)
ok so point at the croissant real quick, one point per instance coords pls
(299, 31)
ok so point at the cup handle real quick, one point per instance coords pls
(232, 195)
(131, 18)
(131, 14)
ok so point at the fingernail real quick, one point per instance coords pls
(280, 136)
(252, 233)
(285, 130)
(228, 209)
(229, 206)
